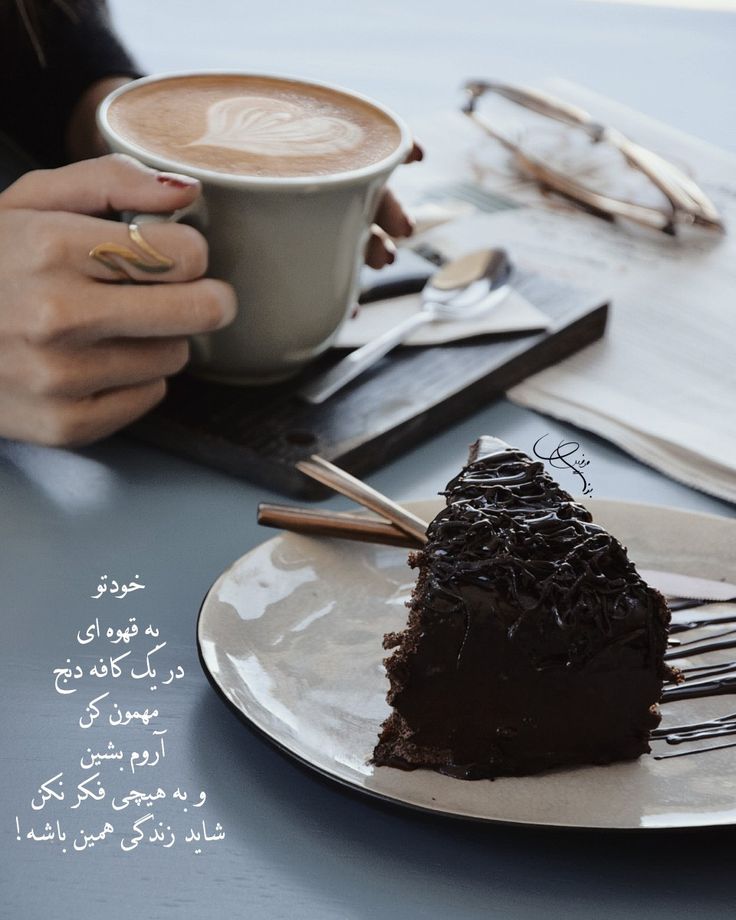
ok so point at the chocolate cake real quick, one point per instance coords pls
(532, 642)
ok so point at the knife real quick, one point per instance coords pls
(688, 586)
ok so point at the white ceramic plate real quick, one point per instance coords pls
(291, 637)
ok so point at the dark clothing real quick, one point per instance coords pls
(39, 91)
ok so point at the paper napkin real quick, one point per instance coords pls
(514, 314)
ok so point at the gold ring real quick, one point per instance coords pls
(112, 256)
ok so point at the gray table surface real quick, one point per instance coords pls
(295, 845)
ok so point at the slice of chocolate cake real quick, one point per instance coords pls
(532, 642)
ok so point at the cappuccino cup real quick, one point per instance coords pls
(292, 173)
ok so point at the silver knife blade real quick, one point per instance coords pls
(688, 586)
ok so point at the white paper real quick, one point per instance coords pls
(513, 314)
(661, 384)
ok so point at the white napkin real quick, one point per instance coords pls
(513, 314)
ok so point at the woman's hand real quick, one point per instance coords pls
(391, 220)
(80, 355)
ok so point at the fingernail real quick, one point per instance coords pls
(416, 154)
(175, 180)
(409, 224)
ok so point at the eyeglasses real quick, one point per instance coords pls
(686, 202)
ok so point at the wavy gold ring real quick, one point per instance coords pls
(114, 256)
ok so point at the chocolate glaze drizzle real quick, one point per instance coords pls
(696, 624)
(687, 649)
(714, 728)
(558, 571)
(696, 682)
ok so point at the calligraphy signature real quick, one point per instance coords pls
(559, 459)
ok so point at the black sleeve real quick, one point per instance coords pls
(44, 74)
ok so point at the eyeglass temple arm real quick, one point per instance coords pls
(604, 205)
(538, 102)
(678, 188)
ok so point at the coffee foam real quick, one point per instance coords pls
(253, 126)
(275, 128)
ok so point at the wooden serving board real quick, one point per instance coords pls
(259, 433)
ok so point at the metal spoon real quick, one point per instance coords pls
(463, 289)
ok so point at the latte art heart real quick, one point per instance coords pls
(275, 128)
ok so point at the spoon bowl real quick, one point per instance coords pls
(464, 289)
(478, 295)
